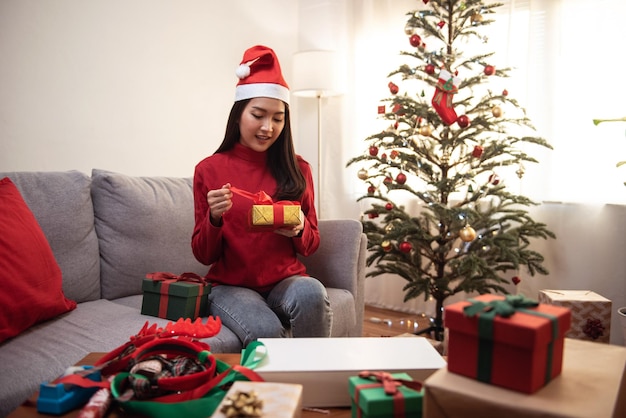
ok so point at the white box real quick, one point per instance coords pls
(323, 365)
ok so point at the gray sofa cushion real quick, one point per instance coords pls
(61, 203)
(126, 211)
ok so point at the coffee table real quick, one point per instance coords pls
(29, 408)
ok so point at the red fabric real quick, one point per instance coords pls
(238, 256)
(29, 275)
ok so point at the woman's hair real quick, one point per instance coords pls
(281, 156)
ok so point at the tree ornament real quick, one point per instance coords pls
(362, 174)
(401, 178)
(394, 154)
(372, 215)
(389, 206)
(467, 234)
(463, 121)
(426, 130)
(476, 18)
(386, 246)
(409, 29)
(516, 280)
(494, 179)
(381, 109)
(441, 24)
(415, 40)
(405, 247)
(388, 180)
(393, 88)
(446, 87)
(383, 156)
(371, 189)
(505, 92)
(489, 70)
(373, 150)
(477, 152)
(496, 111)
(430, 69)
(520, 171)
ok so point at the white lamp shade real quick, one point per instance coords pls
(317, 73)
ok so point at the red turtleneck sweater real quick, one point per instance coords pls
(237, 255)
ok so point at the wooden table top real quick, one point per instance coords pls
(29, 408)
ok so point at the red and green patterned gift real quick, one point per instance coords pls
(171, 296)
(381, 394)
(512, 342)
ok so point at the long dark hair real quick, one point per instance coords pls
(281, 156)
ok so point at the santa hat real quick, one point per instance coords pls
(260, 76)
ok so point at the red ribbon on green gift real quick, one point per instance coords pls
(390, 386)
(505, 308)
(167, 279)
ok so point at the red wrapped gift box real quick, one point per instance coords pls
(522, 352)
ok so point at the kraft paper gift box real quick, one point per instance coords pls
(275, 216)
(380, 395)
(324, 365)
(175, 299)
(279, 400)
(592, 384)
(591, 313)
(522, 352)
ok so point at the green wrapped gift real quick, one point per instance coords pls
(169, 296)
(380, 394)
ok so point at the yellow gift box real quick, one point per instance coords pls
(275, 216)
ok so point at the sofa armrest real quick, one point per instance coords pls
(339, 261)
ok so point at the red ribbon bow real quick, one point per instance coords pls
(172, 278)
(390, 385)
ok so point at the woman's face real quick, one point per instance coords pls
(261, 122)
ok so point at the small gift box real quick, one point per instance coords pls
(265, 399)
(276, 215)
(381, 394)
(169, 296)
(591, 313)
(513, 342)
(270, 215)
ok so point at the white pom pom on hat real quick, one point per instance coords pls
(260, 76)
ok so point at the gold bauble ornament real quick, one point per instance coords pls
(496, 111)
(476, 18)
(467, 234)
(426, 130)
(363, 175)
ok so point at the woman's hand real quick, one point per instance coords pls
(220, 202)
(292, 232)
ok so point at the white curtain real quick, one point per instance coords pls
(566, 56)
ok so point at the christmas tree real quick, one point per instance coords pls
(449, 141)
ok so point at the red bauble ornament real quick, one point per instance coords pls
(441, 23)
(401, 178)
(383, 156)
(372, 215)
(415, 40)
(477, 151)
(490, 70)
(389, 206)
(505, 92)
(394, 154)
(463, 121)
(430, 69)
(388, 180)
(393, 88)
(405, 247)
(494, 179)
(516, 280)
(371, 190)
(373, 150)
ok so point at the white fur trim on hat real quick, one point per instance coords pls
(273, 91)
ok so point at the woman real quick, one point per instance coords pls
(261, 289)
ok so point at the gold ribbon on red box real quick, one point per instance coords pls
(167, 279)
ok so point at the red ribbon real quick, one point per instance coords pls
(167, 279)
(390, 386)
(262, 198)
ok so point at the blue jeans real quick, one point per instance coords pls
(297, 306)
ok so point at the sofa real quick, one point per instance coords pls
(106, 231)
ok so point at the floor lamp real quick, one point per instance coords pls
(316, 74)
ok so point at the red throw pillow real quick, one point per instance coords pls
(30, 278)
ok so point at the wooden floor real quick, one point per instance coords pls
(379, 322)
